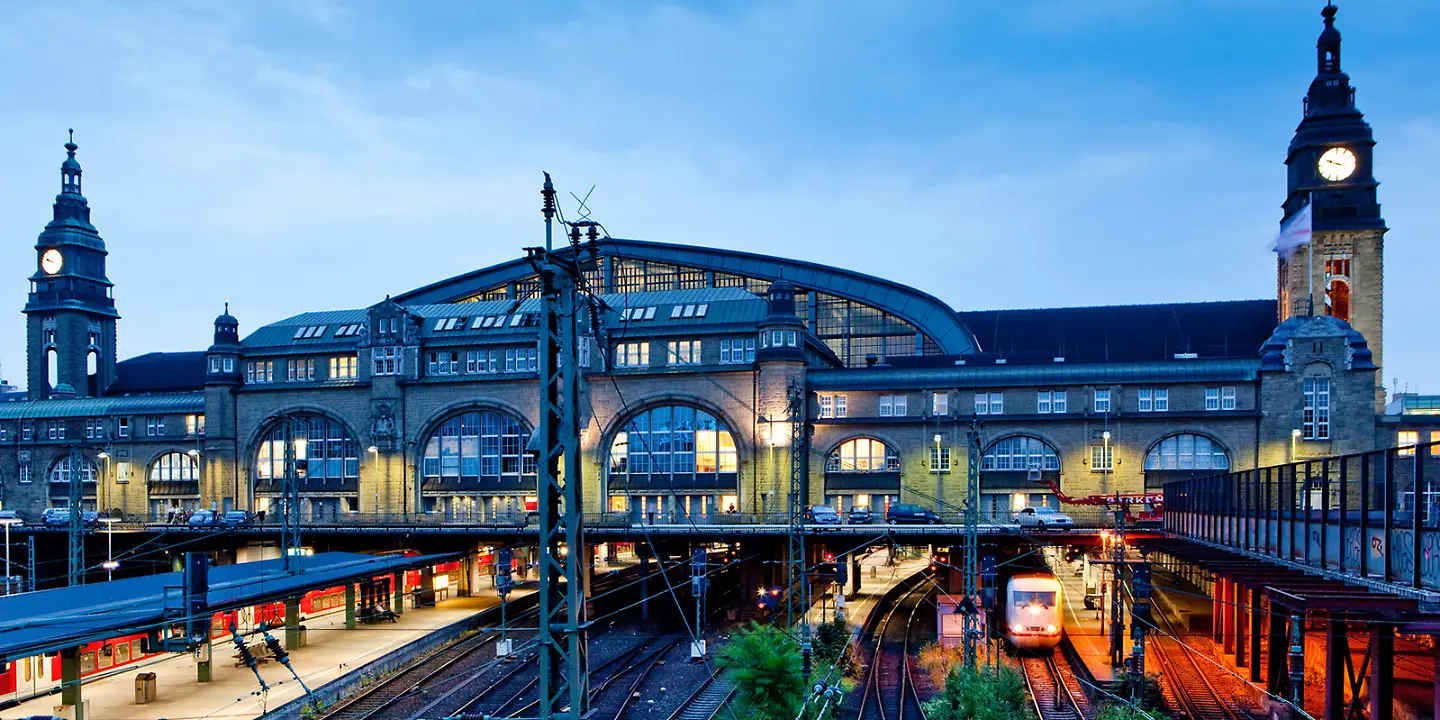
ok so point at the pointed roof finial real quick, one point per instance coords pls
(70, 146)
(227, 308)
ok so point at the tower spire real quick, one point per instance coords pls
(1328, 46)
(70, 169)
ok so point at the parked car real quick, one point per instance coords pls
(860, 515)
(822, 515)
(235, 518)
(60, 517)
(1042, 518)
(201, 518)
(907, 514)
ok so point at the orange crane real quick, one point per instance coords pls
(1141, 509)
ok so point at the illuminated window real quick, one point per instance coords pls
(1407, 441)
(862, 455)
(940, 459)
(1187, 451)
(631, 355)
(479, 446)
(673, 446)
(940, 403)
(684, 352)
(321, 448)
(344, 367)
(833, 405)
(1435, 442)
(195, 425)
(60, 471)
(174, 467)
(1315, 419)
(260, 371)
(1020, 452)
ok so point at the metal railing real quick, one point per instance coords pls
(1373, 515)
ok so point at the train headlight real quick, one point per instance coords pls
(1017, 628)
(1051, 629)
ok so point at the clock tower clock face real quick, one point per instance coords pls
(1336, 164)
(52, 261)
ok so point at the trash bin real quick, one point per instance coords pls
(144, 688)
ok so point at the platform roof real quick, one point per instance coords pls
(51, 620)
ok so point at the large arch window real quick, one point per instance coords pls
(1187, 451)
(61, 471)
(673, 446)
(174, 467)
(1020, 452)
(479, 446)
(321, 448)
(862, 455)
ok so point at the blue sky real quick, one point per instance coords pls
(318, 154)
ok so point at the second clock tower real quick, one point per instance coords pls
(1331, 164)
(70, 315)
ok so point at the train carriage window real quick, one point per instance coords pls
(1041, 598)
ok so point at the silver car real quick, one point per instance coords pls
(1042, 518)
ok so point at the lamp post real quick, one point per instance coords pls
(1294, 444)
(109, 563)
(935, 464)
(104, 483)
(7, 522)
(1109, 459)
(375, 465)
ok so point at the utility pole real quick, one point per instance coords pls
(290, 500)
(563, 684)
(1117, 605)
(77, 518)
(1139, 622)
(972, 542)
(698, 584)
(798, 595)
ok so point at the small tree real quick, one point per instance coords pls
(983, 694)
(831, 639)
(939, 661)
(765, 666)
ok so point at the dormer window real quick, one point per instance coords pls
(310, 332)
(444, 324)
(348, 330)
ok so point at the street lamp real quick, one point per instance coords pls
(1294, 444)
(375, 464)
(7, 522)
(104, 483)
(939, 488)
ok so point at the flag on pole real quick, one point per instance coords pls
(1295, 232)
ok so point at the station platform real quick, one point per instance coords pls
(1086, 629)
(878, 578)
(330, 652)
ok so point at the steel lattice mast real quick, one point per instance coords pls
(798, 591)
(76, 493)
(563, 685)
(972, 544)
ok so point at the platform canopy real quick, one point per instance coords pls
(50, 620)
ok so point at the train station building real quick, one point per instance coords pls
(423, 402)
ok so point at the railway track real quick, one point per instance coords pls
(1189, 690)
(1052, 696)
(706, 701)
(890, 692)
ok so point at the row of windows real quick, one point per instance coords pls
(260, 372)
(170, 467)
(483, 362)
(98, 428)
(1047, 402)
(1184, 451)
(681, 353)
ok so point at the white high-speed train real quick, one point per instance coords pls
(1033, 619)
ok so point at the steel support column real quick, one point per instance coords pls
(1238, 621)
(1257, 616)
(292, 623)
(70, 682)
(350, 606)
(1276, 644)
(1337, 648)
(1382, 671)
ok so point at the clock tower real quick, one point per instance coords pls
(70, 315)
(1331, 165)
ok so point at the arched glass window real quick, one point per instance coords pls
(480, 445)
(1187, 451)
(174, 467)
(321, 447)
(60, 471)
(862, 455)
(674, 442)
(1020, 452)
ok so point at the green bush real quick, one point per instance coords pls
(983, 694)
(765, 666)
(831, 638)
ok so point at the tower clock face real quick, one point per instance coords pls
(52, 261)
(1336, 164)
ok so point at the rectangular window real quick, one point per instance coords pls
(736, 351)
(894, 406)
(940, 403)
(345, 367)
(481, 362)
(154, 426)
(631, 355)
(1042, 402)
(229, 364)
(1316, 415)
(444, 362)
(1212, 398)
(1102, 458)
(260, 371)
(1227, 397)
(301, 370)
(195, 425)
(1059, 402)
(982, 403)
(4, 433)
(94, 430)
(940, 459)
(1407, 442)
(840, 407)
(510, 357)
(684, 352)
(26, 476)
(1102, 401)
(1162, 400)
(533, 359)
(1146, 400)
(887, 408)
(122, 427)
(214, 365)
(389, 361)
(27, 432)
(833, 406)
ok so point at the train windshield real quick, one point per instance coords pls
(1042, 598)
